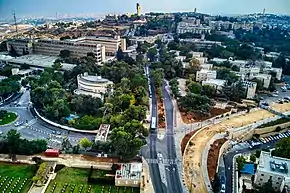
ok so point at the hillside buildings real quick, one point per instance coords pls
(192, 25)
(203, 75)
(95, 86)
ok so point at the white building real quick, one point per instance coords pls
(201, 43)
(274, 168)
(218, 84)
(129, 174)
(277, 71)
(96, 86)
(251, 88)
(203, 75)
(265, 78)
(192, 26)
(249, 71)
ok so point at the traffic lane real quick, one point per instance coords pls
(228, 160)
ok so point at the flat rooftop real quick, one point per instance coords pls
(36, 61)
(272, 164)
(93, 79)
(132, 171)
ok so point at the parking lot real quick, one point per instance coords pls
(255, 143)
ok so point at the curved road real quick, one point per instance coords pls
(34, 128)
(228, 160)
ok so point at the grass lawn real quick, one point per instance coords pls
(8, 118)
(16, 177)
(74, 180)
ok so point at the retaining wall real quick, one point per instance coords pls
(63, 126)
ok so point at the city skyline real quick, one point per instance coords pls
(76, 7)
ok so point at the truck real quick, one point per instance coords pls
(153, 123)
(52, 153)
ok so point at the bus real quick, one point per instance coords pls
(153, 123)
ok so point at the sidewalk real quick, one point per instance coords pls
(146, 184)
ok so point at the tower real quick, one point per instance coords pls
(194, 10)
(138, 9)
(15, 22)
(264, 11)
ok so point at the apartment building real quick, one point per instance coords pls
(206, 66)
(21, 46)
(275, 169)
(251, 88)
(249, 71)
(129, 174)
(265, 78)
(276, 71)
(95, 86)
(203, 75)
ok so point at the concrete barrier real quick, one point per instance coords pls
(63, 126)
(270, 129)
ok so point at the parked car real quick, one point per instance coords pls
(18, 123)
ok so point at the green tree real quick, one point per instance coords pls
(228, 75)
(151, 54)
(120, 54)
(194, 87)
(85, 143)
(13, 142)
(283, 148)
(209, 91)
(56, 65)
(253, 158)
(240, 162)
(64, 53)
(267, 187)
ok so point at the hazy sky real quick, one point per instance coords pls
(50, 7)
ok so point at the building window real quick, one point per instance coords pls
(277, 182)
(262, 174)
(279, 178)
(260, 179)
(126, 182)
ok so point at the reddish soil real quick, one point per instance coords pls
(161, 114)
(212, 158)
(191, 117)
(185, 140)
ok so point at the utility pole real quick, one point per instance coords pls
(15, 22)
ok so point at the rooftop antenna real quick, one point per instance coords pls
(15, 22)
(264, 11)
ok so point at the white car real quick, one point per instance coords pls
(223, 188)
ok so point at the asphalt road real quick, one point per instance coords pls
(228, 160)
(172, 175)
(154, 167)
(34, 128)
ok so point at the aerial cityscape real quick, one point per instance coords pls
(144, 97)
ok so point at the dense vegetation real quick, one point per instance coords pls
(125, 109)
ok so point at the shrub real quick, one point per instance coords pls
(278, 129)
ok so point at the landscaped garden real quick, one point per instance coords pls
(7, 117)
(75, 180)
(16, 178)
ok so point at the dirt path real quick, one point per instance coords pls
(193, 154)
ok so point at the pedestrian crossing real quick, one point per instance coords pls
(164, 161)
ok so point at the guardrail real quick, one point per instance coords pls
(63, 126)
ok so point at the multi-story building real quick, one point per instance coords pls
(275, 169)
(111, 44)
(201, 43)
(265, 78)
(51, 47)
(206, 66)
(192, 26)
(250, 89)
(95, 86)
(203, 75)
(249, 71)
(129, 174)
(77, 49)
(276, 71)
